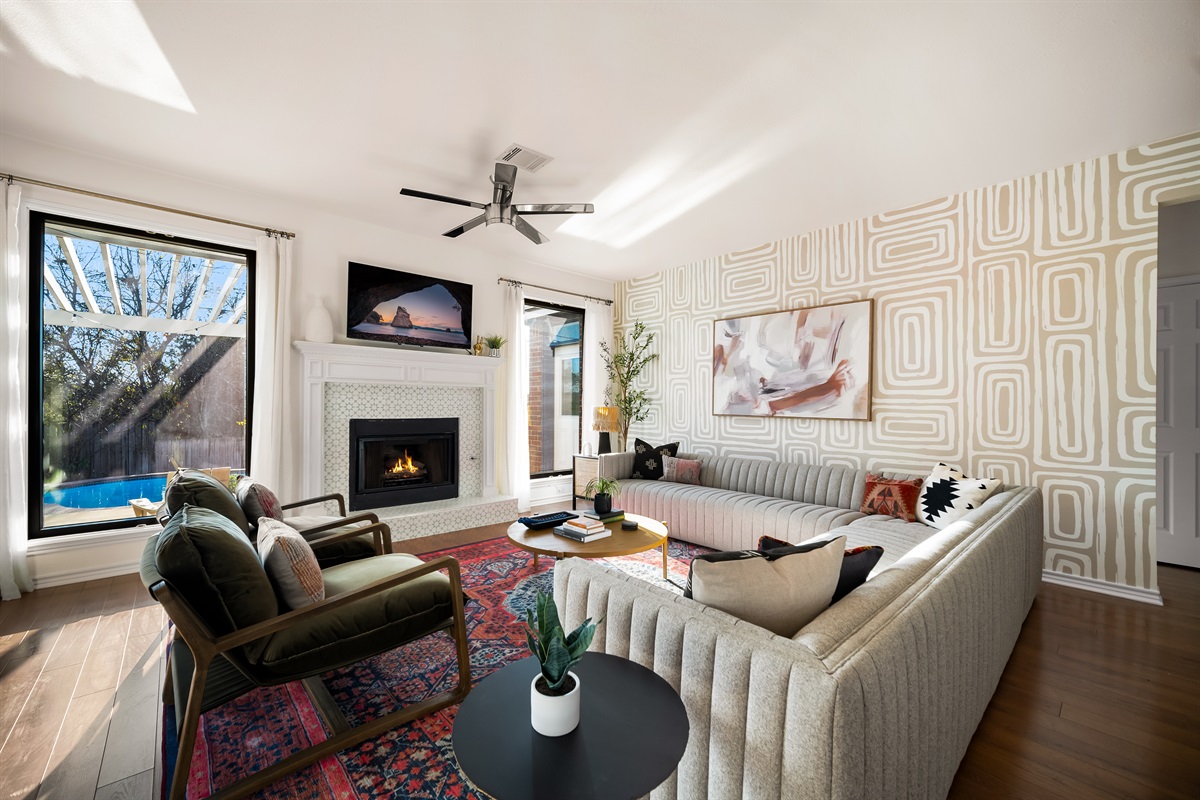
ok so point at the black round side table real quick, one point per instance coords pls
(632, 732)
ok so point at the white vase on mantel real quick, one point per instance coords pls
(318, 326)
(554, 716)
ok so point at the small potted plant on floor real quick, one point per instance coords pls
(554, 692)
(494, 344)
(606, 490)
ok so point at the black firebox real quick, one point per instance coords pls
(394, 462)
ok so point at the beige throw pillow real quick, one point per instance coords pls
(782, 595)
(290, 563)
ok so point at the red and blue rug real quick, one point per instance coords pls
(415, 760)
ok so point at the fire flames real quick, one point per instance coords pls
(405, 467)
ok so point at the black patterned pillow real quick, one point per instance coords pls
(948, 496)
(648, 459)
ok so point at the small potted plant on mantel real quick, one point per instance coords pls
(554, 692)
(606, 490)
(494, 343)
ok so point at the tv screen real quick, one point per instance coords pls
(386, 305)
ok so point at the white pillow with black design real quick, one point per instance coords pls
(948, 495)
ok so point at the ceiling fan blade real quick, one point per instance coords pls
(530, 232)
(441, 198)
(466, 226)
(555, 208)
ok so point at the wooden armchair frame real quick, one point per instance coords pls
(206, 647)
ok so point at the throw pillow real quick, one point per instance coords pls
(290, 563)
(857, 563)
(945, 498)
(893, 497)
(681, 470)
(648, 459)
(256, 499)
(781, 590)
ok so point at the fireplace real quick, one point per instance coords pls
(394, 462)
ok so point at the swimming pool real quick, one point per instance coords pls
(108, 493)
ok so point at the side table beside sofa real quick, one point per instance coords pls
(877, 697)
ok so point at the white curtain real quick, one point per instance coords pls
(516, 456)
(271, 452)
(597, 328)
(14, 344)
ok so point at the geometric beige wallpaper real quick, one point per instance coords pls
(1014, 337)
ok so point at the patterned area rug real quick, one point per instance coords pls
(415, 760)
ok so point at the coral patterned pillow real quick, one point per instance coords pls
(892, 496)
(681, 470)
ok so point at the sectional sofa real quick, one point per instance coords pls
(878, 697)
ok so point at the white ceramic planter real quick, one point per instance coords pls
(554, 716)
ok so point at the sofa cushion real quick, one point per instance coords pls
(893, 497)
(648, 459)
(781, 590)
(213, 565)
(290, 564)
(363, 627)
(726, 520)
(194, 488)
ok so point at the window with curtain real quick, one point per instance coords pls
(140, 352)
(555, 361)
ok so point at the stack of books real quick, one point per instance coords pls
(583, 530)
(616, 515)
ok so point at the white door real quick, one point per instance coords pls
(1178, 431)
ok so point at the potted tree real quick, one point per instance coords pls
(494, 343)
(606, 490)
(625, 362)
(554, 692)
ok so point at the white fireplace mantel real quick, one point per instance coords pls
(351, 363)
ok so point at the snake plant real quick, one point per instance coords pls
(556, 652)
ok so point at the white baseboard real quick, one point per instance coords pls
(544, 491)
(85, 574)
(1151, 596)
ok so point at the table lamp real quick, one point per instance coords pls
(604, 419)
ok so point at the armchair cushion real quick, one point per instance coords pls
(334, 553)
(213, 566)
(194, 488)
(362, 628)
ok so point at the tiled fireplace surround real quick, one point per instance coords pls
(344, 381)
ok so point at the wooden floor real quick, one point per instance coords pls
(1101, 698)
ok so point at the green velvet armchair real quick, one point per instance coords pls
(231, 636)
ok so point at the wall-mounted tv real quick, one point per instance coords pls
(386, 305)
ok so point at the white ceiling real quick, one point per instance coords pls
(695, 128)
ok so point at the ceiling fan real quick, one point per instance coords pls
(502, 209)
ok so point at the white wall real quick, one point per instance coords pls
(324, 244)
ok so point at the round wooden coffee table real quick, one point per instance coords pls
(649, 535)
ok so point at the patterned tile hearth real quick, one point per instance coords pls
(414, 761)
(346, 401)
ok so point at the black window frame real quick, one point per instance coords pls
(582, 377)
(36, 432)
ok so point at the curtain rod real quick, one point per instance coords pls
(513, 282)
(269, 231)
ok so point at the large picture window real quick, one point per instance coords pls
(140, 351)
(555, 336)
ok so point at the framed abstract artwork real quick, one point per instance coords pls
(805, 362)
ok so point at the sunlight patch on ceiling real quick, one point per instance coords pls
(705, 155)
(108, 43)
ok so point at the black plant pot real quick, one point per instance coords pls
(602, 503)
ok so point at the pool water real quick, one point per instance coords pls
(110, 493)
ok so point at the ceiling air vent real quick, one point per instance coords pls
(523, 157)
